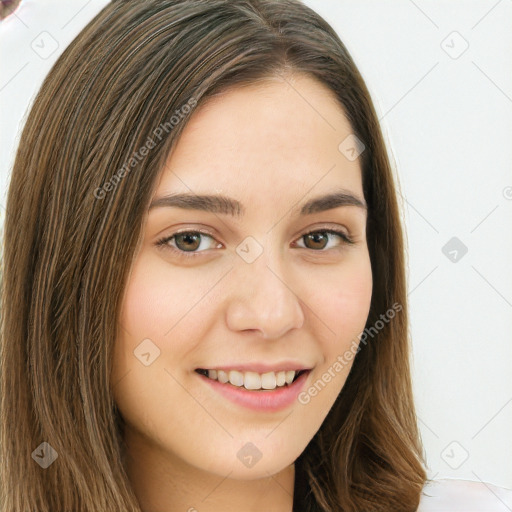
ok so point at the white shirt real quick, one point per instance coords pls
(464, 496)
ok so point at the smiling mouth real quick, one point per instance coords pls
(252, 380)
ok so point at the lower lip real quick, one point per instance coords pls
(263, 401)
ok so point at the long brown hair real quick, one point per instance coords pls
(75, 206)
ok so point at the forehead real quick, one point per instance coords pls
(268, 141)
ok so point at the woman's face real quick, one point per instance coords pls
(249, 294)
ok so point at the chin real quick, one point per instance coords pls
(260, 458)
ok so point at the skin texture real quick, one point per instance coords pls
(272, 146)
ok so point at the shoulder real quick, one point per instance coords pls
(464, 496)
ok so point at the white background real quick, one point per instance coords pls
(446, 112)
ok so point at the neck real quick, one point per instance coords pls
(165, 483)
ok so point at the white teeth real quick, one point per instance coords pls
(268, 380)
(222, 376)
(289, 377)
(236, 378)
(253, 380)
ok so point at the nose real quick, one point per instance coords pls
(264, 299)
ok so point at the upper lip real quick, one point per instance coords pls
(259, 367)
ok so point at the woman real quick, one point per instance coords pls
(204, 299)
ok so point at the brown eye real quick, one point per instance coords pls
(317, 240)
(188, 241)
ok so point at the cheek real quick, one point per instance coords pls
(150, 308)
(343, 303)
(158, 298)
(147, 301)
(162, 304)
(341, 309)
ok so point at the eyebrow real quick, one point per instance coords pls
(229, 206)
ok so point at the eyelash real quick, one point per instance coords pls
(161, 243)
